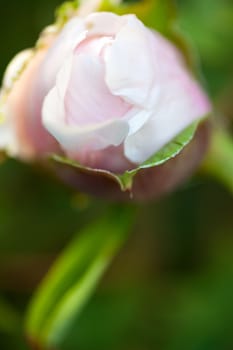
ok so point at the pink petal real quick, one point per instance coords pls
(130, 67)
(88, 100)
(74, 136)
(181, 102)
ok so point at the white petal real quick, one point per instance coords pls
(72, 138)
(63, 76)
(71, 35)
(88, 99)
(130, 67)
(53, 110)
(176, 111)
(181, 102)
(136, 118)
(104, 23)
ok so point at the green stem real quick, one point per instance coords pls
(73, 278)
(218, 163)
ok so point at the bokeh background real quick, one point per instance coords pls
(171, 288)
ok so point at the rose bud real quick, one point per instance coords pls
(108, 94)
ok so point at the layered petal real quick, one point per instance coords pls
(88, 99)
(66, 42)
(181, 102)
(8, 137)
(104, 24)
(26, 138)
(130, 68)
(73, 136)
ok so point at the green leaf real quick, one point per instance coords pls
(171, 150)
(73, 278)
(125, 180)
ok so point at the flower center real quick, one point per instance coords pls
(94, 46)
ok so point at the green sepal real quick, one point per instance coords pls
(125, 180)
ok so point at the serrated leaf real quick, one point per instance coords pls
(75, 164)
(74, 276)
(171, 150)
(125, 180)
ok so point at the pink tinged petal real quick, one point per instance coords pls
(71, 35)
(24, 114)
(8, 139)
(104, 24)
(62, 79)
(171, 117)
(94, 46)
(88, 100)
(182, 102)
(74, 137)
(130, 68)
(53, 109)
(136, 118)
(111, 158)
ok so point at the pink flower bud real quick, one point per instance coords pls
(106, 91)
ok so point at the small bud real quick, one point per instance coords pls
(106, 92)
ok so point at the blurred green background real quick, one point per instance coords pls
(171, 288)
